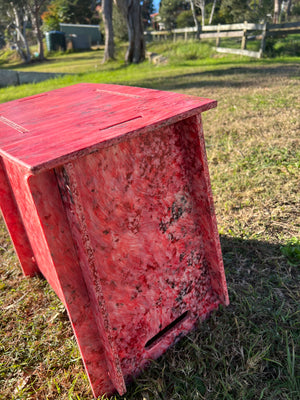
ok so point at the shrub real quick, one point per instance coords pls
(185, 19)
(289, 46)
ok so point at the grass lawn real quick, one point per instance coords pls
(249, 350)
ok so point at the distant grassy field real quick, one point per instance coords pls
(251, 349)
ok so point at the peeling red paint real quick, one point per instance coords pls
(119, 216)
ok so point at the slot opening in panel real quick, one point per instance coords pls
(155, 339)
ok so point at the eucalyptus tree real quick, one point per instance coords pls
(132, 12)
(15, 17)
(107, 10)
(212, 12)
(201, 4)
(169, 11)
(277, 11)
(35, 8)
(194, 13)
(147, 10)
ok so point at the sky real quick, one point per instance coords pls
(156, 4)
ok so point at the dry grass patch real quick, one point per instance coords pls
(253, 146)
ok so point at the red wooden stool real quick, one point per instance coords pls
(105, 190)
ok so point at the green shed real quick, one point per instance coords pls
(82, 36)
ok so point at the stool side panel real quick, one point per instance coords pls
(142, 216)
(74, 204)
(15, 225)
(32, 225)
(197, 167)
(56, 228)
(217, 270)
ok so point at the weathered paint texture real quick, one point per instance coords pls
(119, 219)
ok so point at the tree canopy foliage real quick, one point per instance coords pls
(174, 12)
(169, 10)
(128, 18)
(147, 10)
(15, 18)
(69, 11)
(240, 10)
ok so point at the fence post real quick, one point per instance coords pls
(263, 39)
(218, 40)
(199, 30)
(185, 35)
(244, 38)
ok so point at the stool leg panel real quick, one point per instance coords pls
(217, 273)
(15, 226)
(31, 221)
(55, 226)
(74, 203)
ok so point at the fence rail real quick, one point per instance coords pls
(246, 31)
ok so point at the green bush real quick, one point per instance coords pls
(292, 251)
(185, 19)
(289, 46)
(9, 56)
(191, 50)
(120, 25)
(181, 51)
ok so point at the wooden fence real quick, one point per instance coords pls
(245, 31)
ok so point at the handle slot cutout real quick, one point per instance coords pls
(155, 339)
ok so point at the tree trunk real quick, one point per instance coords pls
(194, 15)
(203, 12)
(34, 7)
(21, 40)
(39, 35)
(131, 9)
(109, 51)
(23, 52)
(212, 12)
(27, 50)
(277, 7)
(288, 8)
(201, 5)
(288, 11)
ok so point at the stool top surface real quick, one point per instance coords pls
(46, 130)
